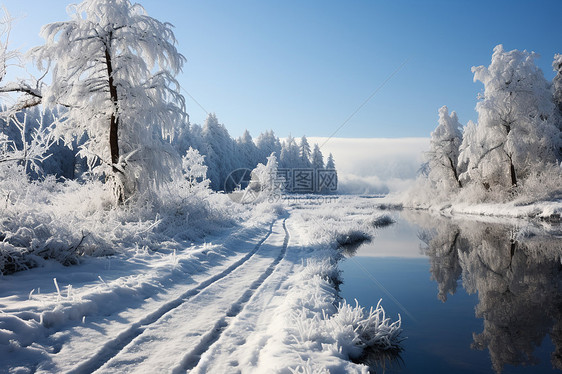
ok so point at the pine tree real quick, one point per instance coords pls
(219, 151)
(304, 153)
(247, 150)
(290, 153)
(557, 95)
(317, 158)
(267, 143)
(557, 82)
(330, 164)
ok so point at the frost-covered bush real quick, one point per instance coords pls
(382, 220)
(63, 221)
(25, 143)
(357, 329)
(542, 184)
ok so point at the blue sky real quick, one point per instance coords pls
(303, 67)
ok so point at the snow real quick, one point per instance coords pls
(258, 296)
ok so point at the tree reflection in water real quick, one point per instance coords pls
(517, 274)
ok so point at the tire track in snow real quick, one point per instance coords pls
(191, 360)
(116, 345)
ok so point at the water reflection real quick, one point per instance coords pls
(517, 274)
(381, 361)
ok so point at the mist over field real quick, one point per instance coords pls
(375, 165)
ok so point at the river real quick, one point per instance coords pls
(474, 297)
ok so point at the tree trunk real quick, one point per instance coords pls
(114, 121)
(454, 169)
(512, 173)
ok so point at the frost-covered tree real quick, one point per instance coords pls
(219, 151)
(330, 164)
(267, 144)
(290, 157)
(317, 160)
(247, 150)
(444, 150)
(195, 171)
(557, 82)
(265, 183)
(304, 153)
(515, 119)
(6, 55)
(469, 150)
(557, 96)
(112, 67)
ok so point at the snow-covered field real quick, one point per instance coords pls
(258, 297)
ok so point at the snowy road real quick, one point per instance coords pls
(161, 317)
(174, 338)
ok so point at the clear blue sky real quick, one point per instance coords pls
(303, 67)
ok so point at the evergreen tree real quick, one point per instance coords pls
(247, 150)
(557, 82)
(304, 153)
(330, 164)
(557, 95)
(267, 143)
(317, 158)
(195, 171)
(219, 151)
(290, 153)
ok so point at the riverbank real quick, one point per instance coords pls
(548, 211)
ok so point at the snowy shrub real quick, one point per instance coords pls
(309, 368)
(64, 221)
(27, 145)
(383, 220)
(351, 237)
(541, 185)
(355, 329)
(318, 323)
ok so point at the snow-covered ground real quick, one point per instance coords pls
(258, 297)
